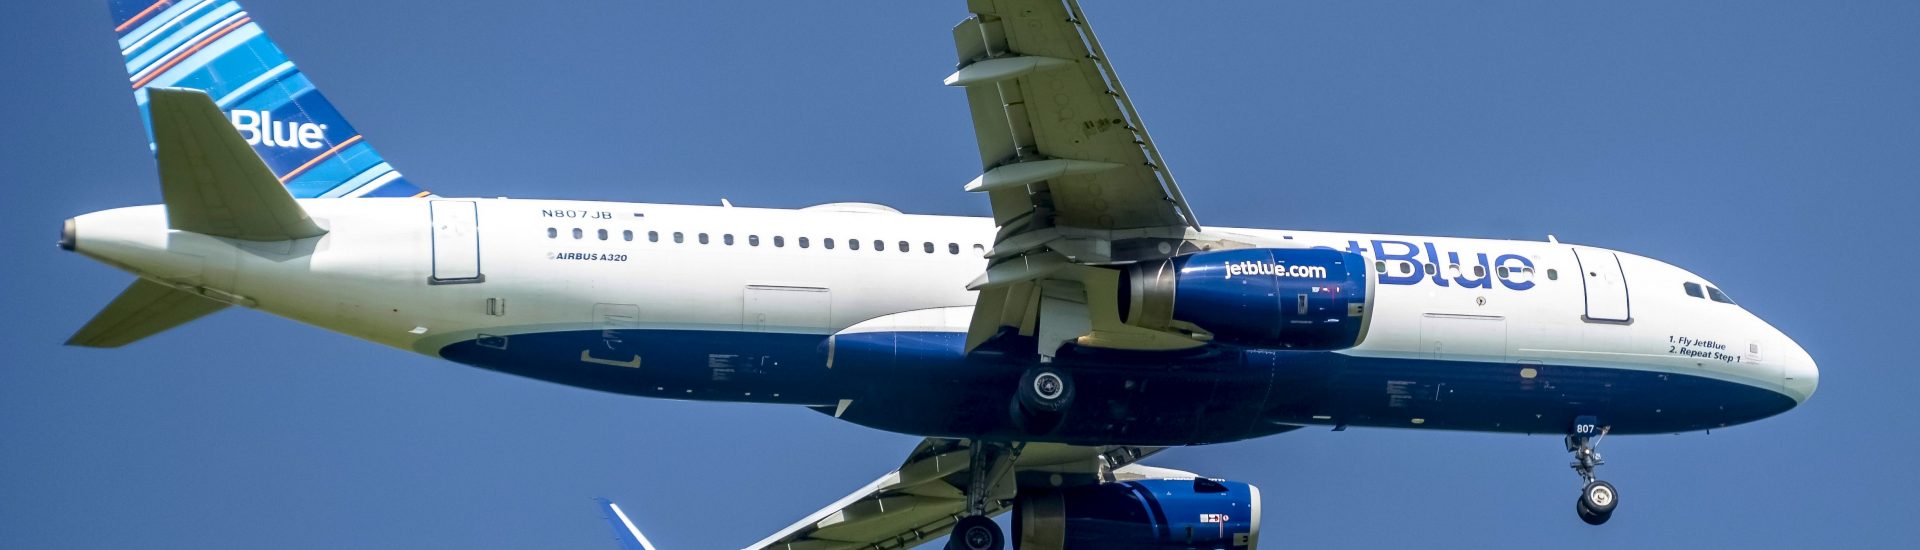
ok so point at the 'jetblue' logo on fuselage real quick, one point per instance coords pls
(259, 128)
(1423, 254)
(1275, 269)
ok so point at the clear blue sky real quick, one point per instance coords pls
(1772, 147)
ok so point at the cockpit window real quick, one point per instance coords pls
(1718, 296)
(1693, 289)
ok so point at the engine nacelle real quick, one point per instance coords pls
(1148, 514)
(1308, 298)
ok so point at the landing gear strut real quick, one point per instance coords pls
(989, 462)
(1597, 498)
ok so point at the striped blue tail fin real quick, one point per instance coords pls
(213, 45)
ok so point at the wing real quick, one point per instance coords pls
(1060, 144)
(1076, 184)
(921, 500)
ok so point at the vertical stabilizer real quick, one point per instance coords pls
(215, 46)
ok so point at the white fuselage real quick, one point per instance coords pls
(573, 265)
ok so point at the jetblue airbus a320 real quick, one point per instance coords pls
(1042, 352)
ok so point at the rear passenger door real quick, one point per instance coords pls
(456, 242)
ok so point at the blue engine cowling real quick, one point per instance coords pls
(1308, 299)
(1148, 514)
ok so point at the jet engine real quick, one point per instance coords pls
(1308, 299)
(1147, 514)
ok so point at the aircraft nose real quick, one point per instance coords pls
(1800, 375)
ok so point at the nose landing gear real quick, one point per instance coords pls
(1597, 498)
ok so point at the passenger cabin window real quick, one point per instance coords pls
(753, 240)
(906, 246)
(703, 238)
(1380, 267)
(928, 247)
(828, 242)
(1718, 296)
(879, 245)
(653, 236)
(1693, 289)
(779, 241)
(853, 244)
(628, 235)
(803, 242)
(953, 248)
(553, 233)
(979, 248)
(1553, 274)
(603, 234)
(576, 233)
(679, 237)
(1428, 268)
(727, 238)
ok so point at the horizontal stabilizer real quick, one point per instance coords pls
(210, 178)
(145, 309)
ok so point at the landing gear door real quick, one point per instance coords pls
(1606, 286)
(456, 243)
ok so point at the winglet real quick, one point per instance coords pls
(211, 180)
(628, 536)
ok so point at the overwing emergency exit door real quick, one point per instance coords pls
(1606, 286)
(456, 242)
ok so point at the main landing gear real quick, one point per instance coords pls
(976, 533)
(989, 462)
(1597, 498)
(1042, 399)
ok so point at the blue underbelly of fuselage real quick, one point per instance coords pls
(921, 383)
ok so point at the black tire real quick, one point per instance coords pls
(1580, 507)
(1599, 497)
(1031, 422)
(976, 533)
(1045, 389)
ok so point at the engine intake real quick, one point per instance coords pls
(1308, 299)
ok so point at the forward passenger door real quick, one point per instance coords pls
(1605, 285)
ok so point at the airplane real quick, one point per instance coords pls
(1043, 352)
